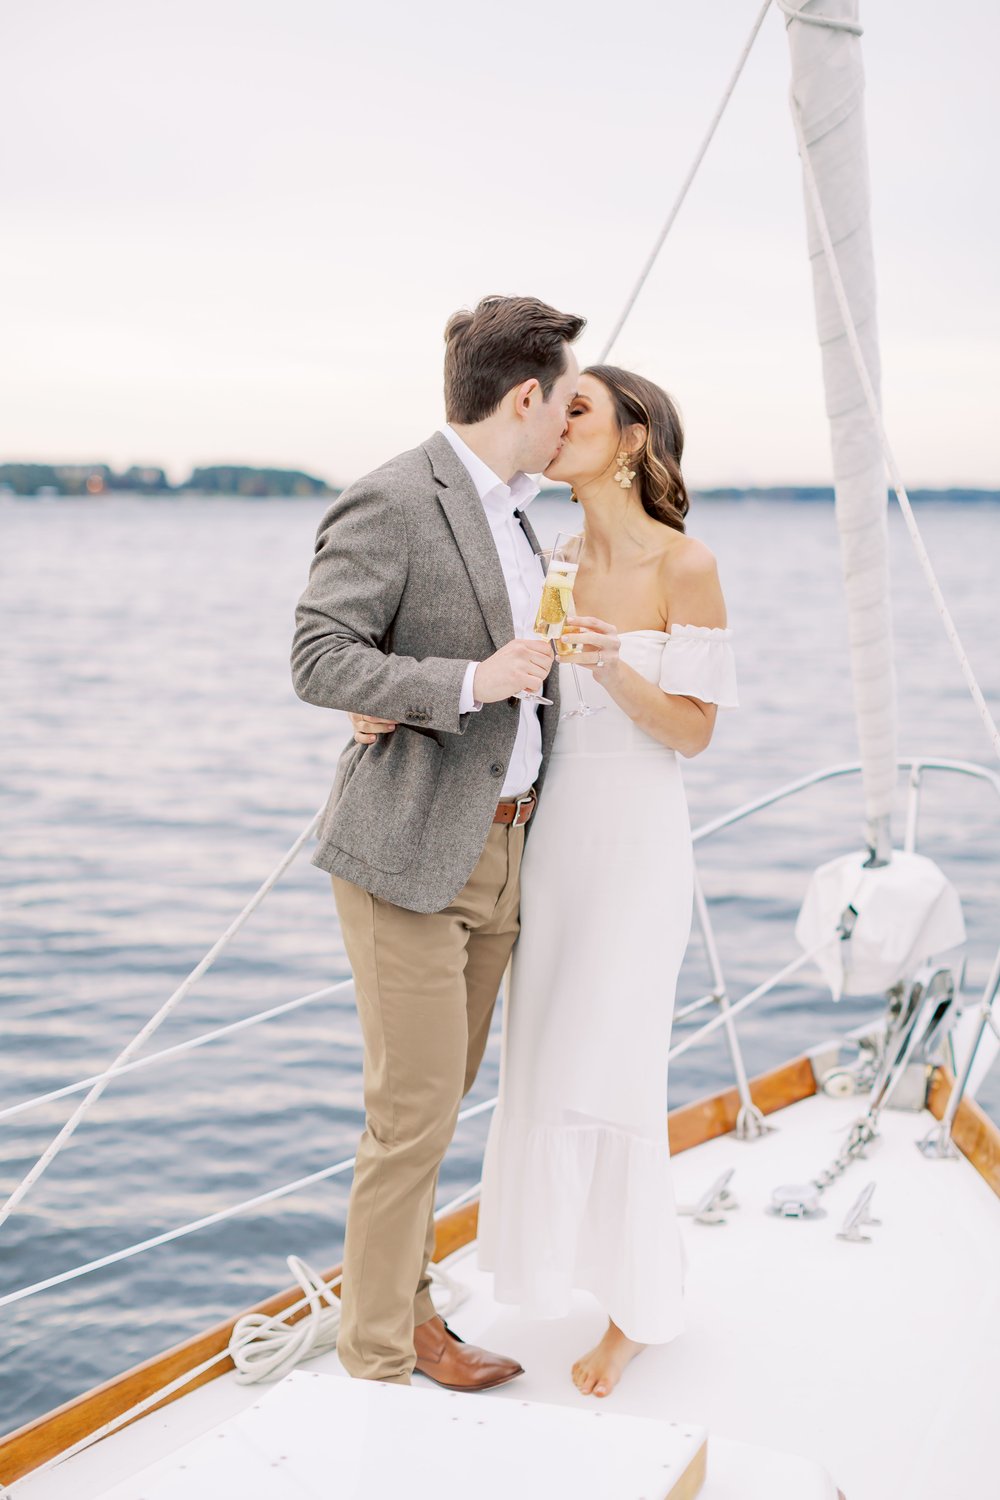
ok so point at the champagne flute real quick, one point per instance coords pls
(562, 562)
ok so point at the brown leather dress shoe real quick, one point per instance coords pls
(447, 1360)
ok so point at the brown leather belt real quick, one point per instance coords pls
(517, 811)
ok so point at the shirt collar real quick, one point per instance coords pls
(498, 498)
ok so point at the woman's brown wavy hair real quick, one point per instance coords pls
(657, 463)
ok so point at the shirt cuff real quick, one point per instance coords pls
(467, 702)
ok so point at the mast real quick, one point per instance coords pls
(827, 101)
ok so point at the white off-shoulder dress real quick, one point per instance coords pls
(577, 1188)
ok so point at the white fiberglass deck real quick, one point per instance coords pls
(317, 1435)
(811, 1362)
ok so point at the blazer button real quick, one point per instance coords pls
(496, 769)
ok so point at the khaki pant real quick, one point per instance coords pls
(426, 985)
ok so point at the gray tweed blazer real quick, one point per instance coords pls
(404, 590)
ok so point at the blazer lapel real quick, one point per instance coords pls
(465, 515)
(526, 527)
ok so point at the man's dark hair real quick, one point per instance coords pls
(502, 342)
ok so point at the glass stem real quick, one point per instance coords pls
(576, 682)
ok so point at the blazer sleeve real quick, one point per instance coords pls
(344, 616)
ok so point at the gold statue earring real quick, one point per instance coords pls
(574, 497)
(625, 475)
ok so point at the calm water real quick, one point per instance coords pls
(155, 766)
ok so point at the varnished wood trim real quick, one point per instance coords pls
(692, 1124)
(973, 1132)
(693, 1478)
(456, 1230)
(47, 1436)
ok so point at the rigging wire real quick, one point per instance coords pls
(182, 1230)
(56, 1144)
(168, 1053)
(685, 185)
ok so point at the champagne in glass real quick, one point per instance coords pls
(557, 600)
(562, 566)
(556, 594)
(567, 646)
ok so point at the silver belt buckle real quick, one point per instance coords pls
(526, 801)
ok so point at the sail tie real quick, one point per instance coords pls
(812, 18)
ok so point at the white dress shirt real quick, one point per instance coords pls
(522, 573)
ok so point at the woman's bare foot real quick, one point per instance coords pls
(598, 1372)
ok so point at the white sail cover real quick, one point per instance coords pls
(906, 913)
(828, 97)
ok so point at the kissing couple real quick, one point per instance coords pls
(469, 828)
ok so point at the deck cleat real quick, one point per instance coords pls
(752, 1124)
(708, 1209)
(857, 1217)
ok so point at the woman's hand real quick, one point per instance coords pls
(602, 643)
(367, 729)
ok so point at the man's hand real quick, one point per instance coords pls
(518, 667)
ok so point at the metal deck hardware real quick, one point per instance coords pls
(857, 1217)
(916, 1022)
(937, 1143)
(708, 1209)
(855, 1077)
(796, 1200)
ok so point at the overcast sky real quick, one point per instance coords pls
(233, 229)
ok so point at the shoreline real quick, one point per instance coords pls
(788, 494)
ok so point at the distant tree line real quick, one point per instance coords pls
(232, 479)
(101, 479)
(241, 479)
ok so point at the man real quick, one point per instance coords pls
(419, 611)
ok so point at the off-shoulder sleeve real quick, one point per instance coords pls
(698, 662)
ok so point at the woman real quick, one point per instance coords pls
(576, 1180)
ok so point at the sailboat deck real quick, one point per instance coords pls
(900, 1333)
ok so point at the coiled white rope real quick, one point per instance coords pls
(264, 1348)
(685, 185)
(55, 1146)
